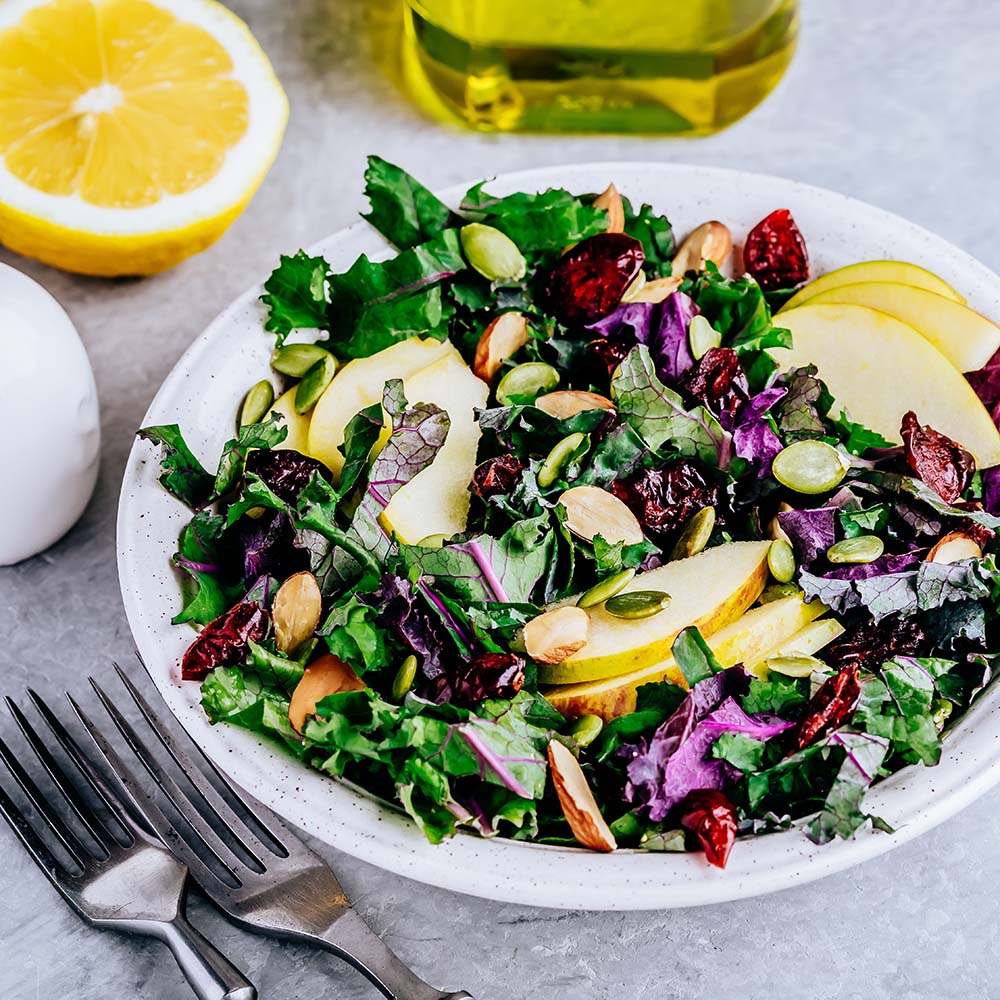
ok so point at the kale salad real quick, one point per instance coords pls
(546, 528)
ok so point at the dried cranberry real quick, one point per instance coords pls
(831, 706)
(489, 675)
(775, 252)
(664, 499)
(497, 475)
(873, 643)
(718, 381)
(605, 355)
(979, 533)
(588, 281)
(224, 641)
(711, 817)
(944, 465)
(284, 471)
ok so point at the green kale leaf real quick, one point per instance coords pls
(402, 209)
(295, 295)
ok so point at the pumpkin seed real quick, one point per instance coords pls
(702, 336)
(404, 678)
(530, 379)
(606, 589)
(777, 592)
(695, 535)
(637, 604)
(940, 712)
(432, 541)
(558, 457)
(315, 383)
(295, 360)
(586, 729)
(492, 253)
(861, 549)
(794, 666)
(256, 403)
(809, 467)
(781, 561)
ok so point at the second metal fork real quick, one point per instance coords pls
(257, 871)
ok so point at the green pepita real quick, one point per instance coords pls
(702, 337)
(432, 541)
(295, 360)
(860, 549)
(404, 678)
(940, 712)
(315, 383)
(606, 589)
(530, 379)
(810, 467)
(637, 604)
(781, 561)
(256, 403)
(586, 729)
(695, 535)
(794, 666)
(492, 253)
(777, 592)
(558, 457)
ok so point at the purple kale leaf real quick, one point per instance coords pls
(754, 437)
(811, 531)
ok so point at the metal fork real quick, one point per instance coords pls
(135, 885)
(260, 873)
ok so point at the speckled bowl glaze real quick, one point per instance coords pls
(202, 394)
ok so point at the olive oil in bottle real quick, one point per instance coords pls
(688, 67)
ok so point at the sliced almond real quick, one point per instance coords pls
(611, 201)
(954, 547)
(323, 677)
(591, 511)
(502, 339)
(710, 241)
(569, 402)
(657, 289)
(774, 529)
(296, 611)
(556, 635)
(577, 800)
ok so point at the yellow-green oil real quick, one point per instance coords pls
(687, 67)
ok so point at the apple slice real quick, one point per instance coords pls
(359, 384)
(878, 368)
(896, 271)
(965, 338)
(297, 424)
(742, 641)
(436, 501)
(708, 590)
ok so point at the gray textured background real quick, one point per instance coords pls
(895, 103)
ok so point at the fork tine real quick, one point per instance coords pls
(81, 809)
(79, 854)
(196, 776)
(203, 835)
(33, 844)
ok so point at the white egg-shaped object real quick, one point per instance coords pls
(49, 421)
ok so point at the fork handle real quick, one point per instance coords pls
(210, 974)
(351, 939)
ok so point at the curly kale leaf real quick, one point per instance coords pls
(295, 295)
(402, 209)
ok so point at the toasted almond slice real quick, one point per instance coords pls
(591, 511)
(556, 635)
(296, 611)
(954, 547)
(503, 338)
(565, 403)
(710, 241)
(323, 677)
(611, 201)
(657, 289)
(577, 800)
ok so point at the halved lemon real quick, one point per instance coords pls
(132, 133)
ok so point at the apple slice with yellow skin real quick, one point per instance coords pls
(809, 640)
(967, 339)
(744, 640)
(436, 500)
(878, 367)
(359, 384)
(708, 590)
(297, 424)
(896, 271)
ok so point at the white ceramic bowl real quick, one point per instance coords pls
(202, 394)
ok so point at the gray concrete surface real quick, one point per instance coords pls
(895, 103)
